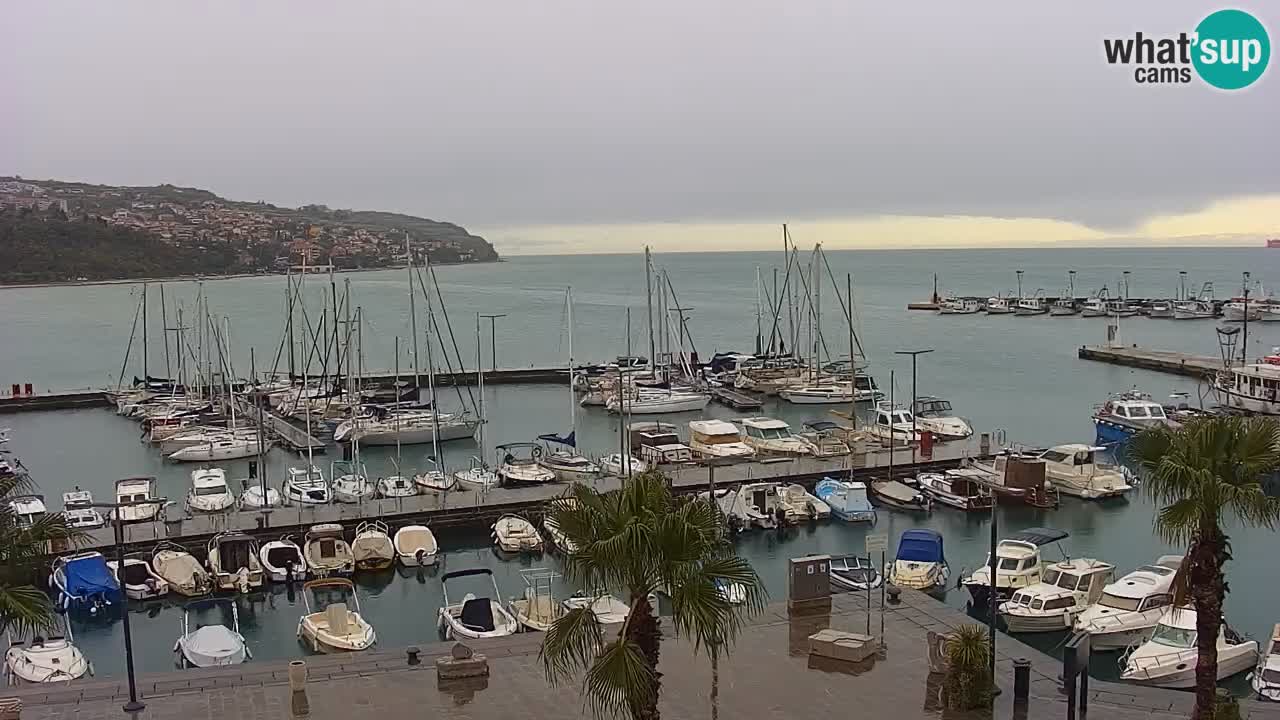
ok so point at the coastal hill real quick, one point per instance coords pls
(53, 231)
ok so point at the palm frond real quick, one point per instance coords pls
(26, 610)
(571, 644)
(620, 680)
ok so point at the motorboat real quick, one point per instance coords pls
(854, 572)
(558, 538)
(1095, 306)
(893, 423)
(351, 484)
(183, 572)
(936, 416)
(45, 659)
(772, 437)
(1265, 679)
(1019, 478)
(415, 546)
(999, 306)
(83, 583)
(960, 488)
(1074, 470)
(1194, 310)
(959, 306)
(137, 499)
(396, 486)
(898, 496)
(191, 436)
(213, 645)
(332, 620)
(656, 402)
(672, 454)
(519, 465)
(305, 486)
(139, 580)
(1253, 387)
(327, 552)
(372, 547)
(1130, 607)
(566, 463)
(920, 563)
(1160, 308)
(537, 608)
(259, 497)
(234, 563)
(839, 392)
(1064, 307)
(209, 491)
(756, 506)
(477, 476)
(717, 439)
(1019, 564)
(1127, 414)
(432, 480)
(1238, 311)
(474, 617)
(1170, 657)
(1034, 305)
(608, 609)
(27, 510)
(799, 504)
(283, 561)
(619, 465)
(847, 500)
(829, 439)
(78, 513)
(512, 533)
(1052, 604)
(227, 448)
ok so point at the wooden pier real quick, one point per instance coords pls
(735, 399)
(1167, 361)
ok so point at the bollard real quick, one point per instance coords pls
(1021, 679)
(299, 705)
(412, 651)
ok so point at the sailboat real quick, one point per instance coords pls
(478, 474)
(565, 462)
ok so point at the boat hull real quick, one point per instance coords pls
(418, 436)
(1038, 623)
(1111, 433)
(1185, 678)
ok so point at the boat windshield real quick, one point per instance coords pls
(1137, 412)
(1174, 637)
(211, 491)
(722, 439)
(1115, 602)
(1271, 676)
(773, 433)
(1008, 563)
(1069, 582)
(1156, 412)
(902, 418)
(935, 408)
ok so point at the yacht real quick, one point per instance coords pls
(519, 465)
(329, 624)
(139, 580)
(211, 645)
(717, 439)
(327, 552)
(512, 533)
(893, 424)
(768, 436)
(999, 306)
(234, 562)
(920, 563)
(838, 392)
(854, 572)
(474, 617)
(847, 500)
(477, 476)
(1127, 414)
(959, 306)
(183, 572)
(1265, 679)
(1034, 305)
(622, 466)
(83, 582)
(1169, 658)
(404, 427)
(1019, 564)
(351, 484)
(656, 401)
(396, 486)
(27, 510)
(1074, 470)
(78, 512)
(1130, 608)
(304, 486)
(45, 659)
(1252, 388)
(799, 504)
(209, 491)
(138, 499)
(566, 463)
(961, 488)
(226, 448)
(1053, 603)
(283, 561)
(416, 546)
(936, 415)
(372, 547)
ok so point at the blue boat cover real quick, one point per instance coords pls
(921, 546)
(88, 576)
(570, 439)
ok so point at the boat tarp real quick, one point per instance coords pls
(89, 576)
(895, 490)
(372, 546)
(411, 541)
(1039, 536)
(571, 439)
(920, 546)
(213, 645)
(180, 569)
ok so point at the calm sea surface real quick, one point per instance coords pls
(1003, 372)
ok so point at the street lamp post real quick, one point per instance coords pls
(493, 338)
(914, 354)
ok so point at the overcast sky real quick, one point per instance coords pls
(520, 119)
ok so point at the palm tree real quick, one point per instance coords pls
(1201, 474)
(643, 540)
(24, 607)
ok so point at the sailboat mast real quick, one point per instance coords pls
(568, 302)
(230, 377)
(413, 319)
(758, 337)
(431, 382)
(164, 333)
(480, 386)
(648, 295)
(145, 332)
(288, 308)
(853, 368)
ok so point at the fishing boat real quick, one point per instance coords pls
(27, 510)
(234, 562)
(83, 583)
(416, 546)
(396, 486)
(139, 580)
(209, 491)
(1127, 414)
(920, 563)
(351, 484)
(1019, 564)
(1074, 469)
(372, 547)
(1017, 478)
(1265, 679)
(183, 572)
(1130, 607)
(1160, 309)
(893, 424)
(800, 505)
(78, 513)
(519, 465)
(847, 500)
(327, 552)
(959, 306)
(999, 306)
(1194, 310)
(717, 439)
(898, 496)
(854, 572)
(282, 560)
(303, 486)
(332, 621)
(651, 401)
(1252, 387)
(608, 609)
(1095, 305)
(537, 608)
(937, 416)
(45, 659)
(1053, 603)
(474, 617)
(477, 476)
(1169, 658)
(213, 645)
(1034, 305)
(218, 450)
(137, 499)
(1235, 311)
(960, 488)
(512, 533)
(772, 437)
(622, 466)
(1064, 307)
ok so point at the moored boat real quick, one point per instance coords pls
(210, 645)
(327, 552)
(45, 659)
(472, 616)
(332, 621)
(1170, 657)
(416, 546)
(1052, 604)
(282, 560)
(181, 570)
(847, 500)
(372, 547)
(1130, 607)
(919, 563)
(1019, 563)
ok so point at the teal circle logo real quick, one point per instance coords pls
(1231, 49)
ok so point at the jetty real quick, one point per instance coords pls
(279, 428)
(1166, 361)
(735, 399)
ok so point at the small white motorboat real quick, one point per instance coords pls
(333, 626)
(773, 437)
(847, 500)
(304, 486)
(474, 617)
(371, 547)
(1019, 564)
(139, 580)
(519, 465)
(920, 563)
(1169, 658)
(209, 491)
(937, 416)
(801, 505)
(45, 659)
(183, 572)
(893, 424)
(537, 609)
(133, 494)
(213, 645)
(755, 505)
(1265, 679)
(396, 486)
(960, 488)
(1130, 607)
(959, 306)
(234, 562)
(620, 466)
(512, 533)
(854, 572)
(78, 514)
(477, 476)
(1074, 470)
(327, 552)
(283, 561)
(608, 609)
(1053, 603)
(718, 439)
(416, 546)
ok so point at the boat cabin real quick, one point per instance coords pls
(932, 407)
(1071, 584)
(666, 454)
(713, 432)
(28, 510)
(1146, 588)
(644, 434)
(1133, 408)
(763, 428)
(134, 490)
